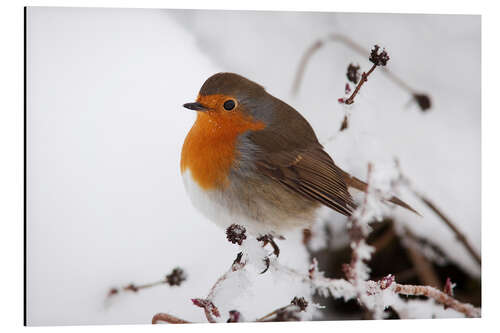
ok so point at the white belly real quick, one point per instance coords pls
(213, 205)
(259, 217)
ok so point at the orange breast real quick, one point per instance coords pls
(209, 150)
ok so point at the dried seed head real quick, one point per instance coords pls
(234, 316)
(236, 234)
(300, 302)
(176, 277)
(132, 287)
(345, 124)
(112, 291)
(379, 59)
(423, 101)
(353, 73)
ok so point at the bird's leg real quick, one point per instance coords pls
(269, 239)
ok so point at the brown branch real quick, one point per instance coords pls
(384, 240)
(270, 314)
(175, 278)
(458, 234)
(286, 313)
(423, 267)
(168, 319)
(438, 296)
(303, 63)
(364, 78)
(209, 308)
(423, 100)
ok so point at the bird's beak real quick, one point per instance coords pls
(195, 106)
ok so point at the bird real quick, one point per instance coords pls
(252, 160)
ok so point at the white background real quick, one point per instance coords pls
(19, 174)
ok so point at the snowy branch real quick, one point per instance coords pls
(438, 296)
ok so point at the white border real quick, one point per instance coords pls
(11, 157)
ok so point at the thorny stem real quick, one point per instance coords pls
(364, 78)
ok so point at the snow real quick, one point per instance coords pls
(106, 203)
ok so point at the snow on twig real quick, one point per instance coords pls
(374, 296)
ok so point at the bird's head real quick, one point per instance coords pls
(229, 99)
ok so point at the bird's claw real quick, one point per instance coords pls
(268, 263)
(269, 239)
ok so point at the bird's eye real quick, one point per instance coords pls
(229, 104)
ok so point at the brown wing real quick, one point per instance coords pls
(304, 168)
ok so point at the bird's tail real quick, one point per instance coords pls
(354, 182)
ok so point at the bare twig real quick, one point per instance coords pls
(423, 100)
(303, 63)
(385, 239)
(364, 78)
(423, 267)
(458, 234)
(270, 314)
(175, 278)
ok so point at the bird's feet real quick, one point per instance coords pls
(269, 239)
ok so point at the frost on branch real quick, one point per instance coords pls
(375, 295)
(361, 281)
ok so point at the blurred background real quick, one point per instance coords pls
(105, 127)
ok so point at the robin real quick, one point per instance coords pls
(253, 160)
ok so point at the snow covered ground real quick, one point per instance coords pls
(106, 205)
